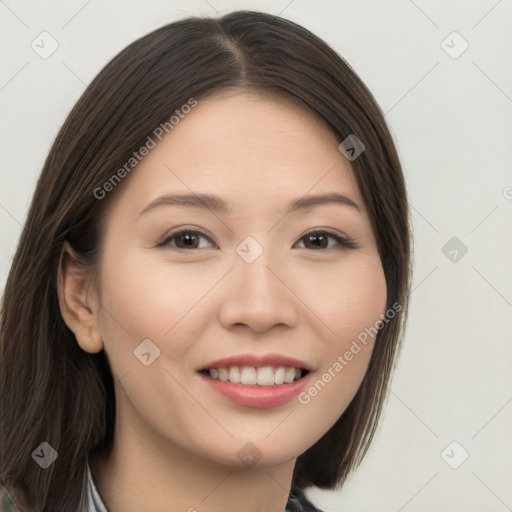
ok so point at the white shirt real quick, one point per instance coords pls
(93, 496)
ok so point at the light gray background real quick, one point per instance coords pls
(451, 119)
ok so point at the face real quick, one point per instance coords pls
(260, 274)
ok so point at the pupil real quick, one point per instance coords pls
(322, 244)
(189, 240)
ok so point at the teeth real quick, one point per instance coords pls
(248, 376)
(234, 374)
(264, 376)
(279, 375)
(289, 375)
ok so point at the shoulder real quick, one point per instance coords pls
(7, 501)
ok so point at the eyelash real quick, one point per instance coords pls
(343, 242)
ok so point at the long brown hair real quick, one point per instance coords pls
(51, 390)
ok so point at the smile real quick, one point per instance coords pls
(257, 395)
(256, 376)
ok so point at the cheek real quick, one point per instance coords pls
(348, 299)
(147, 298)
(151, 294)
(351, 307)
(361, 302)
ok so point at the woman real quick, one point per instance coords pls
(210, 290)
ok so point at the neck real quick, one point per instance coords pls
(149, 474)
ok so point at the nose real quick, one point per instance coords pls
(258, 296)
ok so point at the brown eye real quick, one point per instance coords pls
(320, 240)
(185, 240)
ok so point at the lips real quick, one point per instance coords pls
(257, 380)
(259, 397)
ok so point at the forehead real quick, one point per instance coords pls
(242, 145)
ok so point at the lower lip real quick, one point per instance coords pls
(259, 397)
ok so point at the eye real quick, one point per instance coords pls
(319, 239)
(186, 239)
(189, 239)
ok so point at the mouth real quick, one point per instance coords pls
(256, 375)
(257, 387)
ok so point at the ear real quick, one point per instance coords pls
(79, 304)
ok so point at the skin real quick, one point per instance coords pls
(174, 434)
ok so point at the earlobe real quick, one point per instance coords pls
(79, 305)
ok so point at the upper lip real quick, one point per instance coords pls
(257, 361)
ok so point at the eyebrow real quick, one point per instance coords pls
(216, 204)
